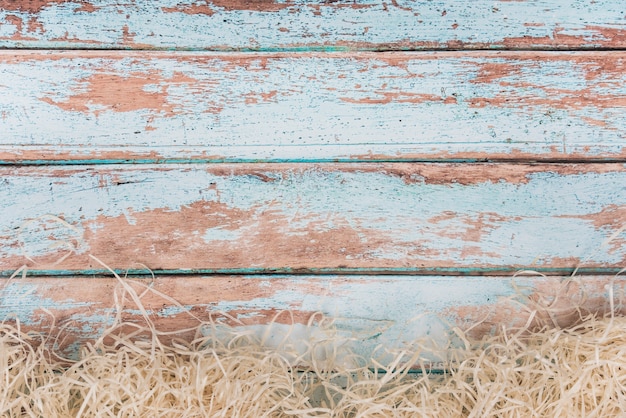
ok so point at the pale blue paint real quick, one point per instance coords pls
(384, 154)
(369, 311)
(83, 327)
(221, 234)
(480, 23)
(388, 311)
(169, 311)
(309, 119)
(25, 302)
(397, 297)
(375, 203)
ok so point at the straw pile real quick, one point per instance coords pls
(580, 371)
(136, 370)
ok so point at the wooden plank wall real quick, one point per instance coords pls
(390, 164)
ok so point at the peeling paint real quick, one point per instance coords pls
(290, 105)
(322, 216)
(404, 309)
(26, 303)
(107, 92)
(303, 25)
(36, 6)
(136, 106)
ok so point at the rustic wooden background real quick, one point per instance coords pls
(388, 163)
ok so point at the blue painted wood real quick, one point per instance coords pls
(369, 312)
(139, 107)
(184, 116)
(305, 25)
(315, 218)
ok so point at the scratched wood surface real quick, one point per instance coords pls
(305, 24)
(372, 314)
(104, 107)
(464, 218)
(375, 163)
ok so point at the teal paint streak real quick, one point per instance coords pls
(228, 161)
(315, 48)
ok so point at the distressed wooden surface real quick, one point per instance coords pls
(104, 107)
(369, 311)
(471, 218)
(306, 25)
(313, 92)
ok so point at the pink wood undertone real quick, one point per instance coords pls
(156, 106)
(314, 216)
(373, 315)
(304, 25)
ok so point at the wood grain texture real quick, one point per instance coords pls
(313, 92)
(103, 107)
(306, 25)
(369, 311)
(415, 217)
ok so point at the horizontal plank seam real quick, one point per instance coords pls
(160, 161)
(442, 271)
(289, 53)
(494, 48)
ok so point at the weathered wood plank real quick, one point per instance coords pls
(369, 311)
(153, 107)
(306, 25)
(416, 217)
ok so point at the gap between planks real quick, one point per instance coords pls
(320, 49)
(320, 272)
(210, 161)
